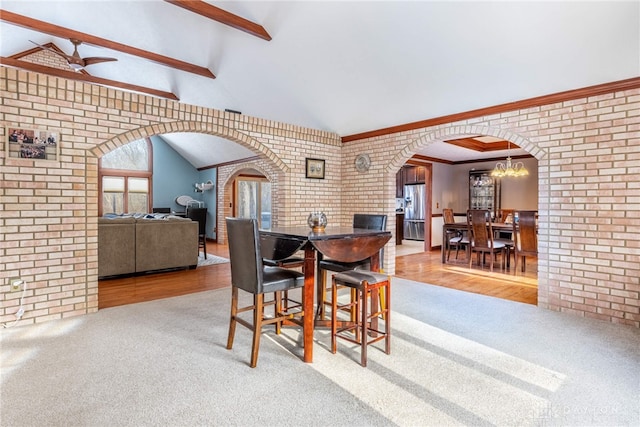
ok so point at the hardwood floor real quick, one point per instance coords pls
(148, 287)
(427, 267)
(421, 267)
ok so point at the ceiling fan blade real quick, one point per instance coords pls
(64, 55)
(96, 60)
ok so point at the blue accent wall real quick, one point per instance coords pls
(209, 198)
(174, 176)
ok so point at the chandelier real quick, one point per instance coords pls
(509, 168)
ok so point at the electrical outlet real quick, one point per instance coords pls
(16, 284)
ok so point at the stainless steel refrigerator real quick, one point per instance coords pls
(414, 210)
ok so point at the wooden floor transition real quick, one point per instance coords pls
(423, 267)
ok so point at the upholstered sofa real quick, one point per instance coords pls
(128, 244)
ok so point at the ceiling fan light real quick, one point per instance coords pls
(76, 67)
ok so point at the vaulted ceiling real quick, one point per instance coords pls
(345, 67)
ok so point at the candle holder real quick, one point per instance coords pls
(317, 221)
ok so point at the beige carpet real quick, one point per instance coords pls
(210, 260)
(457, 359)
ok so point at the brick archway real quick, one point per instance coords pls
(452, 132)
(225, 192)
(190, 127)
(431, 135)
(270, 165)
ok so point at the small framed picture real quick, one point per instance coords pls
(30, 143)
(315, 168)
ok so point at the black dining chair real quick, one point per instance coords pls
(200, 215)
(250, 274)
(295, 262)
(365, 221)
(285, 246)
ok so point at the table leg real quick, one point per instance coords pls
(443, 248)
(375, 266)
(307, 302)
(374, 262)
(320, 292)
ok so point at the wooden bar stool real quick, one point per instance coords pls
(366, 328)
(366, 221)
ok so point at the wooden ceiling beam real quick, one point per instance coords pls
(66, 33)
(474, 144)
(222, 16)
(420, 160)
(72, 75)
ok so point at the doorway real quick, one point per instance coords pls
(253, 199)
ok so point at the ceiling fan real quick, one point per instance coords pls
(74, 60)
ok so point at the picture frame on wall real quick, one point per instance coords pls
(314, 168)
(32, 143)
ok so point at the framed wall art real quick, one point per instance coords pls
(32, 143)
(315, 168)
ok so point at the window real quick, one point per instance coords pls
(125, 179)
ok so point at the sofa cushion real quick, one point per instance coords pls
(116, 246)
(163, 244)
(135, 243)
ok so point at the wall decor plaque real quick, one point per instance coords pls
(315, 168)
(32, 143)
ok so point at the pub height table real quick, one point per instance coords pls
(345, 244)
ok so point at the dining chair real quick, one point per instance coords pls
(250, 274)
(526, 237)
(454, 237)
(503, 214)
(294, 262)
(505, 236)
(366, 221)
(365, 328)
(200, 215)
(291, 262)
(509, 245)
(481, 234)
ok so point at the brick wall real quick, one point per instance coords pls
(588, 155)
(294, 195)
(48, 209)
(43, 57)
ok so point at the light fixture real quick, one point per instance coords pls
(76, 67)
(205, 186)
(509, 168)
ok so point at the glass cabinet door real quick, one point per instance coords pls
(484, 191)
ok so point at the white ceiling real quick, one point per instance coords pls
(351, 67)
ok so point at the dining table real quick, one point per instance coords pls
(340, 243)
